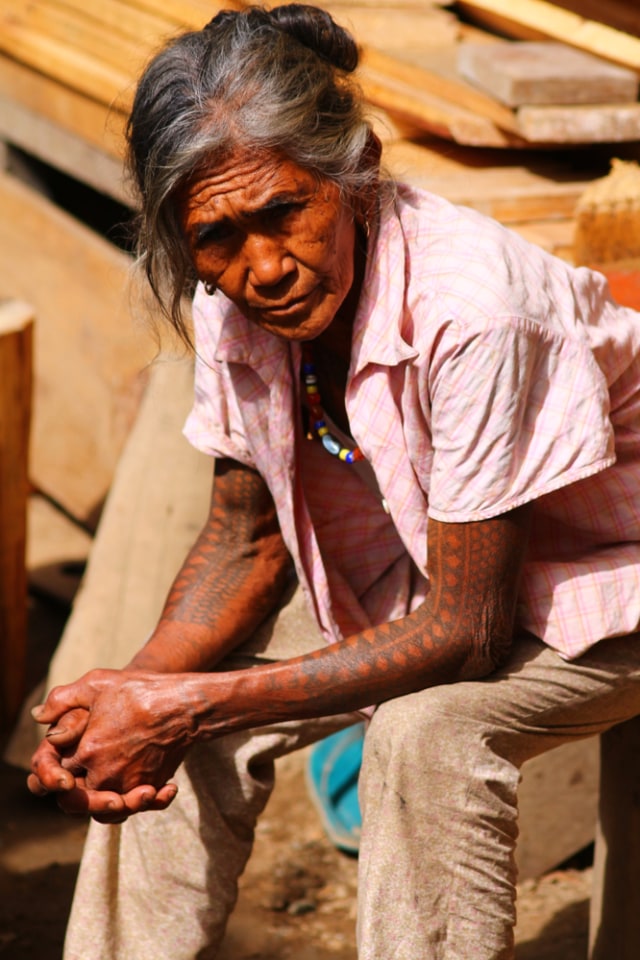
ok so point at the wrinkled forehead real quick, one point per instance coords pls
(247, 179)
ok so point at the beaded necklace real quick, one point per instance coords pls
(318, 422)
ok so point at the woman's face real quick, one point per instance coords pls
(274, 239)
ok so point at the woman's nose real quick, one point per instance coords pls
(269, 263)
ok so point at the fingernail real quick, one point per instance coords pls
(55, 731)
(36, 711)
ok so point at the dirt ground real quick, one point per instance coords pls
(297, 897)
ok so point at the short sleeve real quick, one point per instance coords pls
(517, 411)
(214, 425)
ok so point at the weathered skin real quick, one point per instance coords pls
(143, 720)
(287, 250)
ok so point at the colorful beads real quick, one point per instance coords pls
(318, 423)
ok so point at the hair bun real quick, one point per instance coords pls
(316, 29)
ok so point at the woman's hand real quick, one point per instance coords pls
(115, 740)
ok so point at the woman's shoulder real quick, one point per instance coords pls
(462, 264)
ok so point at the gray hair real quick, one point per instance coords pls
(275, 80)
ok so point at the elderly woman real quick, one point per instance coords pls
(436, 427)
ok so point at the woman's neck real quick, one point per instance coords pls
(336, 340)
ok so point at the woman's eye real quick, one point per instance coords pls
(212, 233)
(279, 212)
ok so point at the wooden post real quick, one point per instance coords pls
(614, 923)
(16, 339)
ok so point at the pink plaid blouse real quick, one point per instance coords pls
(485, 373)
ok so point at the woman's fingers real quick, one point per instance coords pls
(69, 729)
(106, 806)
(63, 699)
(47, 773)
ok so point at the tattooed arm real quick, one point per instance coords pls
(462, 630)
(232, 578)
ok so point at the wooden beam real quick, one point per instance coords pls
(622, 15)
(604, 123)
(95, 123)
(510, 188)
(156, 507)
(188, 13)
(52, 56)
(80, 34)
(96, 50)
(16, 340)
(545, 73)
(538, 19)
(614, 923)
(121, 18)
(397, 27)
(91, 345)
(45, 140)
(558, 801)
(434, 72)
(432, 113)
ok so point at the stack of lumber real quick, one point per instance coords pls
(74, 67)
(67, 73)
(16, 338)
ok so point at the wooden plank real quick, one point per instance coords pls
(614, 922)
(434, 72)
(545, 73)
(80, 34)
(53, 57)
(397, 27)
(187, 13)
(509, 191)
(606, 123)
(16, 348)
(57, 551)
(45, 140)
(429, 112)
(120, 18)
(68, 109)
(156, 507)
(622, 15)
(558, 803)
(81, 50)
(89, 353)
(539, 19)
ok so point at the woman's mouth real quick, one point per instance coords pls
(291, 308)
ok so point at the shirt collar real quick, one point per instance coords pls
(377, 336)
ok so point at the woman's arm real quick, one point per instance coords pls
(231, 580)
(461, 631)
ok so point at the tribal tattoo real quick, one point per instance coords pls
(462, 631)
(232, 578)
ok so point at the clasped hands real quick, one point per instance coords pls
(115, 739)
